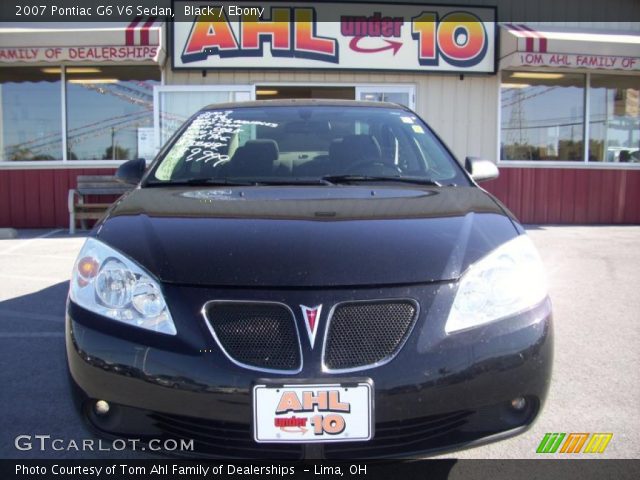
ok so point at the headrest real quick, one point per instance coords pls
(254, 158)
(355, 148)
(263, 149)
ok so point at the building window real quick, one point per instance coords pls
(542, 116)
(109, 111)
(31, 106)
(614, 120)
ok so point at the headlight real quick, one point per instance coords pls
(109, 284)
(509, 280)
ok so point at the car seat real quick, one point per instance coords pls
(255, 158)
(354, 149)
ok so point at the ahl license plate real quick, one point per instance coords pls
(312, 413)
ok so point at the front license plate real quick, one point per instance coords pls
(312, 413)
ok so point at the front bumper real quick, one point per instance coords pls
(440, 392)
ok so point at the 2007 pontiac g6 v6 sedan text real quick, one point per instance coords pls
(309, 278)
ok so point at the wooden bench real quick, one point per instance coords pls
(94, 185)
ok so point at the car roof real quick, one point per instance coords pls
(303, 102)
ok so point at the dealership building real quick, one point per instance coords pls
(555, 104)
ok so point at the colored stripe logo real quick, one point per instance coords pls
(550, 443)
(598, 442)
(573, 442)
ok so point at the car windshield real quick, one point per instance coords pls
(306, 144)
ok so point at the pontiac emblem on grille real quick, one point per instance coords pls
(311, 316)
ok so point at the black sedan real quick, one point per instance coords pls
(308, 278)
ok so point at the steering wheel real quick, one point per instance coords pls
(373, 168)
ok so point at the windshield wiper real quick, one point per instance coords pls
(208, 181)
(242, 183)
(351, 178)
(326, 180)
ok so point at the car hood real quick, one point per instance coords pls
(306, 236)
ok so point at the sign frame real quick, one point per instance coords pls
(495, 38)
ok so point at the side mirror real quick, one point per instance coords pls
(131, 172)
(481, 170)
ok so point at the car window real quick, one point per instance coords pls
(306, 142)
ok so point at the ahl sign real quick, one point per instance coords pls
(345, 35)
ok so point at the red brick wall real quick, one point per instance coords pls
(569, 196)
(38, 198)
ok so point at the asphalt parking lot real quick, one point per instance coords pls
(594, 277)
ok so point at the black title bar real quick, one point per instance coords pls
(127, 10)
(567, 469)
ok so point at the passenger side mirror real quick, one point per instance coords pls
(131, 172)
(481, 170)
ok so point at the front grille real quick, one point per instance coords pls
(398, 438)
(403, 437)
(222, 439)
(366, 333)
(256, 335)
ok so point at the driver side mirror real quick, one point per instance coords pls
(481, 170)
(131, 172)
